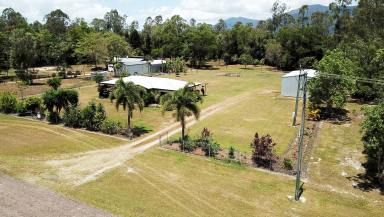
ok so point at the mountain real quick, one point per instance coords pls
(311, 9)
(295, 13)
(233, 20)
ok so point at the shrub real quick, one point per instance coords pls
(93, 116)
(212, 149)
(53, 117)
(287, 164)
(314, 114)
(8, 102)
(263, 153)
(20, 108)
(231, 152)
(62, 74)
(111, 127)
(98, 78)
(72, 117)
(54, 82)
(34, 104)
(189, 144)
(53, 75)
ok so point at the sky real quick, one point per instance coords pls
(201, 10)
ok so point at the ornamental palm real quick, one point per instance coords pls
(128, 95)
(184, 101)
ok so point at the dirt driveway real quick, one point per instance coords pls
(20, 199)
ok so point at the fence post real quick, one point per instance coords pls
(160, 140)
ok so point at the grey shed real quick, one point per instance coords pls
(290, 81)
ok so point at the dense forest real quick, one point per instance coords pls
(282, 40)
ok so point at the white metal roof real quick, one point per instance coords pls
(153, 82)
(310, 72)
(157, 62)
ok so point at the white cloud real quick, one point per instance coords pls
(201, 10)
(37, 9)
(211, 11)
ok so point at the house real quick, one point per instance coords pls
(162, 85)
(289, 82)
(138, 66)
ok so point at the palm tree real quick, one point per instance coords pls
(184, 101)
(128, 95)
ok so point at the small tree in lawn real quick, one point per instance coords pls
(128, 95)
(54, 83)
(246, 59)
(185, 102)
(263, 153)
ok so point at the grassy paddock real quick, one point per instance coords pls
(166, 183)
(26, 143)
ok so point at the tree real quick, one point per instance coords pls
(373, 139)
(56, 100)
(333, 84)
(34, 104)
(128, 95)
(57, 22)
(54, 83)
(185, 102)
(93, 46)
(22, 53)
(116, 46)
(274, 53)
(114, 22)
(246, 59)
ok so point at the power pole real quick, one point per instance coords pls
(297, 99)
(301, 139)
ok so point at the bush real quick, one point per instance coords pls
(212, 149)
(111, 127)
(188, 144)
(20, 108)
(54, 82)
(287, 164)
(34, 104)
(93, 116)
(231, 152)
(8, 102)
(263, 153)
(53, 117)
(53, 75)
(72, 117)
(314, 114)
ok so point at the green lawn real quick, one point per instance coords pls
(25, 144)
(166, 183)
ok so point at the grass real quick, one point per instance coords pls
(40, 86)
(235, 126)
(25, 143)
(166, 183)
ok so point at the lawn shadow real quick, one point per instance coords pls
(366, 183)
(336, 116)
(138, 131)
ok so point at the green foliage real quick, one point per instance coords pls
(231, 152)
(334, 83)
(287, 164)
(185, 101)
(373, 139)
(72, 117)
(111, 127)
(98, 78)
(56, 100)
(93, 116)
(53, 117)
(34, 104)
(54, 82)
(8, 102)
(128, 95)
(246, 59)
(176, 66)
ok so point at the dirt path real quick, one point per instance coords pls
(85, 167)
(21, 199)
